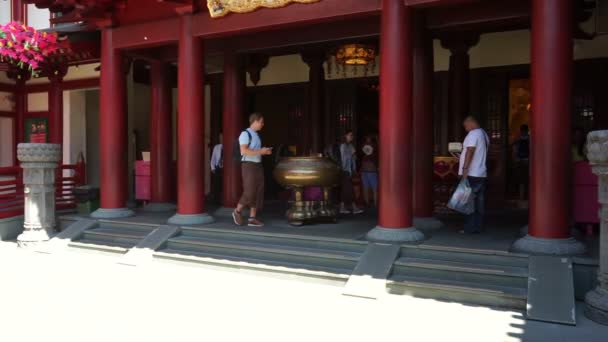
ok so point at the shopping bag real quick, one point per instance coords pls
(462, 199)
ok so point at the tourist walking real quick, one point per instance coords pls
(251, 152)
(348, 157)
(472, 167)
(369, 171)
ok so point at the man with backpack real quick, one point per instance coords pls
(472, 167)
(249, 153)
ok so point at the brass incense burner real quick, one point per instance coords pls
(296, 173)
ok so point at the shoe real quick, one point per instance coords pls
(357, 211)
(254, 222)
(237, 217)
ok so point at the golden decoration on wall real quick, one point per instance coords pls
(219, 8)
(355, 54)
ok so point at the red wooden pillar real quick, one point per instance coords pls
(17, 13)
(550, 124)
(395, 173)
(234, 87)
(316, 78)
(190, 129)
(56, 106)
(112, 131)
(161, 139)
(458, 79)
(423, 125)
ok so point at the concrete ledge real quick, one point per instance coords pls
(159, 207)
(103, 213)
(144, 250)
(533, 245)
(427, 223)
(72, 232)
(189, 220)
(395, 235)
(11, 227)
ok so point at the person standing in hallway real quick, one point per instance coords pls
(217, 165)
(369, 171)
(348, 157)
(251, 152)
(472, 167)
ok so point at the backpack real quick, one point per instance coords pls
(236, 151)
(523, 148)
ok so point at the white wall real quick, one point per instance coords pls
(38, 18)
(38, 102)
(5, 11)
(6, 141)
(7, 102)
(493, 49)
(74, 125)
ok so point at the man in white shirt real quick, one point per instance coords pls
(472, 167)
(217, 165)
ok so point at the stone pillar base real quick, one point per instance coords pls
(596, 307)
(159, 207)
(188, 220)
(103, 213)
(427, 223)
(533, 245)
(395, 235)
(32, 238)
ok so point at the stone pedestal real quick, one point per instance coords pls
(597, 153)
(39, 162)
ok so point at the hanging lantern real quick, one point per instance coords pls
(355, 54)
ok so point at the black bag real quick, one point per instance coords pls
(236, 152)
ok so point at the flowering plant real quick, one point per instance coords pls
(24, 46)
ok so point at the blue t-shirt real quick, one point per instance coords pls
(255, 144)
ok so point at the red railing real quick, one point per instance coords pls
(11, 192)
(11, 188)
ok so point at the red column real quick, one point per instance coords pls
(17, 13)
(550, 123)
(161, 139)
(234, 86)
(551, 73)
(56, 106)
(112, 131)
(316, 78)
(395, 145)
(190, 129)
(20, 110)
(423, 119)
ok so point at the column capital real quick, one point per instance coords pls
(254, 65)
(57, 72)
(17, 74)
(314, 58)
(459, 43)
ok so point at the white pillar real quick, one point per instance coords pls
(597, 299)
(38, 162)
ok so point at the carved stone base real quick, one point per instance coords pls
(33, 238)
(427, 223)
(103, 213)
(189, 220)
(395, 235)
(533, 245)
(596, 307)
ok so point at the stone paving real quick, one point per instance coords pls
(75, 296)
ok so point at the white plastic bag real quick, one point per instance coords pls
(462, 199)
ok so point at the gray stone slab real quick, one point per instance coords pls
(144, 250)
(72, 232)
(551, 290)
(369, 277)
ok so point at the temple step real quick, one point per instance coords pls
(261, 252)
(465, 275)
(458, 291)
(276, 239)
(111, 238)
